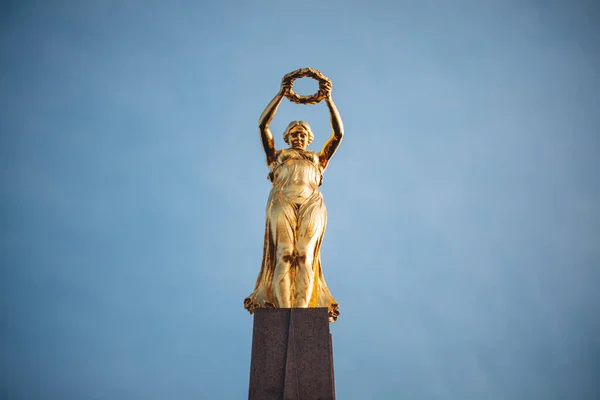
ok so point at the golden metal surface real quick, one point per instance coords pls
(291, 274)
(324, 85)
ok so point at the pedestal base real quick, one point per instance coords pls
(292, 357)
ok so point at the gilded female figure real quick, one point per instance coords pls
(291, 274)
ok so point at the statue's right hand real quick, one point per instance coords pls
(285, 89)
(286, 84)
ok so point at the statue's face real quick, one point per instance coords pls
(298, 137)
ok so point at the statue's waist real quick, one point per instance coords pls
(297, 192)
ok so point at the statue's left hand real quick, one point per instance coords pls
(327, 86)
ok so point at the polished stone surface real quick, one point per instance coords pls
(292, 356)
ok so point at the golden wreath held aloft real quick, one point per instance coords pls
(324, 84)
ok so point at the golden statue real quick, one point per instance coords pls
(291, 274)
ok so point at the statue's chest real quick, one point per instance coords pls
(289, 157)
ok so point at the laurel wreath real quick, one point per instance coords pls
(307, 73)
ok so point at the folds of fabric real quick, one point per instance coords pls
(296, 218)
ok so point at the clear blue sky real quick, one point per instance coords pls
(464, 204)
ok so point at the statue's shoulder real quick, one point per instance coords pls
(285, 154)
(313, 155)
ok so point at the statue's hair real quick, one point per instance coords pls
(305, 125)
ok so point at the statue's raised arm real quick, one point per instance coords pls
(291, 275)
(265, 119)
(337, 128)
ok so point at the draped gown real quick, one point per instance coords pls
(291, 273)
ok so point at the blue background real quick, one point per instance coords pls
(464, 204)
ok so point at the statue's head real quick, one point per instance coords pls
(298, 134)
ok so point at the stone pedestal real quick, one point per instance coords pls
(292, 355)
